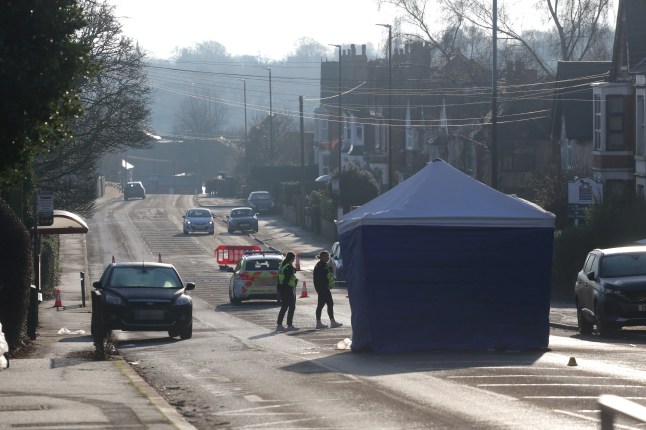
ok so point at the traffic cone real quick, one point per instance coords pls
(304, 290)
(572, 362)
(159, 260)
(58, 304)
(297, 262)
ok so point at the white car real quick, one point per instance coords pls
(336, 262)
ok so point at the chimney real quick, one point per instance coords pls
(353, 49)
(363, 50)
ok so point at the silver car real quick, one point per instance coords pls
(198, 219)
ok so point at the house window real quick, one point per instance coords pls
(597, 122)
(360, 131)
(614, 123)
(640, 192)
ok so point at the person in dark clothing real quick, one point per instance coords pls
(287, 292)
(323, 282)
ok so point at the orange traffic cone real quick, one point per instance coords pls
(297, 262)
(304, 290)
(58, 304)
(159, 260)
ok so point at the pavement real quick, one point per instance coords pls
(60, 385)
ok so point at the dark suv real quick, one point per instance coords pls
(261, 201)
(610, 290)
(134, 189)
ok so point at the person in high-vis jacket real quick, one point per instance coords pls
(287, 292)
(324, 281)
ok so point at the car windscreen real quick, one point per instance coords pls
(616, 266)
(199, 214)
(241, 213)
(144, 277)
(259, 265)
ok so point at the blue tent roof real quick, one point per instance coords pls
(441, 195)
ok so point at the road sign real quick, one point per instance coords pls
(45, 206)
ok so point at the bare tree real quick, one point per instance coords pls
(578, 25)
(201, 115)
(115, 114)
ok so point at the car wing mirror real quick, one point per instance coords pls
(190, 286)
(96, 285)
(591, 276)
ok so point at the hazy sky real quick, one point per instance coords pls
(265, 28)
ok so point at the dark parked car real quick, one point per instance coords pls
(142, 296)
(261, 201)
(610, 290)
(198, 219)
(243, 219)
(134, 189)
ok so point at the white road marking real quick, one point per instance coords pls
(561, 385)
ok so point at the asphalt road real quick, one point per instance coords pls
(236, 372)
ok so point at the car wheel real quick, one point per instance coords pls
(173, 333)
(186, 332)
(125, 198)
(585, 326)
(604, 327)
(185, 231)
(233, 299)
(230, 230)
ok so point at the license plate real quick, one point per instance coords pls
(641, 308)
(149, 315)
(244, 224)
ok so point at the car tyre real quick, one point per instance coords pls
(185, 231)
(230, 230)
(585, 326)
(604, 327)
(125, 198)
(186, 332)
(173, 333)
(233, 299)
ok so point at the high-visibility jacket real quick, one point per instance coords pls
(331, 282)
(281, 275)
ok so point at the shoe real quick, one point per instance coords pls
(320, 325)
(280, 328)
(291, 328)
(335, 324)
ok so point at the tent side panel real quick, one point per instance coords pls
(358, 290)
(431, 288)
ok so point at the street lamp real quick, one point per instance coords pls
(271, 123)
(340, 206)
(390, 105)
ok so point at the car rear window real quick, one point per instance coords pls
(616, 266)
(260, 196)
(144, 277)
(262, 265)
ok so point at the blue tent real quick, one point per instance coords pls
(443, 261)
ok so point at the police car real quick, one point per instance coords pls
(255, 277)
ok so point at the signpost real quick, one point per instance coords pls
(581, 193)
(45, 206)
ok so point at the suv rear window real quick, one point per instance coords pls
(262, 264)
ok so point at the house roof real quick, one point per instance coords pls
(574, 96)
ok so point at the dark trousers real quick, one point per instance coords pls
(325, 298)
(288, 300)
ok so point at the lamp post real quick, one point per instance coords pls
(390, 105)
(340, 206)
(494, 100)
(271, 123)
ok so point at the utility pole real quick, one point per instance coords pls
(302, 181)
(246, 141)
(390, 105)
(340, 205)
(271, 123)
